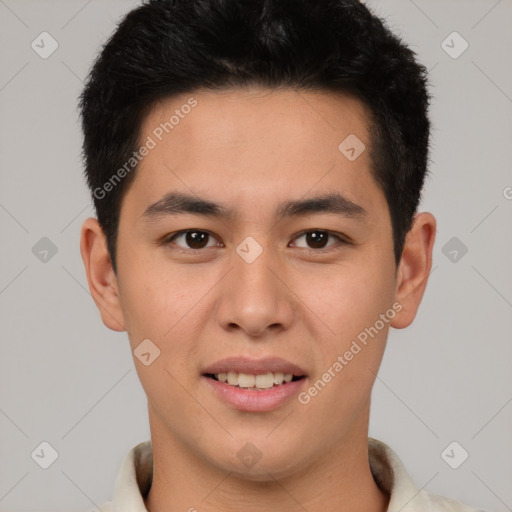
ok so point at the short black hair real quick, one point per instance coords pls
(164, 48)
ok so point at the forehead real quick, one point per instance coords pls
(262, 113)
(255, 142)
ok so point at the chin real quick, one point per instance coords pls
(266, 465)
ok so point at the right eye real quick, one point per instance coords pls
(191, 240)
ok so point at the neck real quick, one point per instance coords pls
(340, 481)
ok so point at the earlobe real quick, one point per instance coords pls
(100, 275)
(414, 269)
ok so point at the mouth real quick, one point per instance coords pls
(254, 385)
(258, 382)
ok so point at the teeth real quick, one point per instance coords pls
(245, 380)
(264, 381)
(232, 378)
(278, 378)
(261, 381)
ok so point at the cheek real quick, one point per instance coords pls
(344, 299)
(162, 304)
(157, 299)
(349, 302)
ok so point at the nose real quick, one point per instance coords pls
(255, 297)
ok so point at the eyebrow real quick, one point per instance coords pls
(175, 203)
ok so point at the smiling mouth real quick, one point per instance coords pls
(253, 382)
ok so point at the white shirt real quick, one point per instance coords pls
(136, 474)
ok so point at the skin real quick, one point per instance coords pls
(251, 149)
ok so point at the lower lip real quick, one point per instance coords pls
(255, 401)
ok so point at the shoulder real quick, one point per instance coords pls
(405, 496)
(437, 503)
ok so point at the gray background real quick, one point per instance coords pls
(69, 381)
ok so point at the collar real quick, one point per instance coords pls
(136, 474)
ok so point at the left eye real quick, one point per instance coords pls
(317, 239)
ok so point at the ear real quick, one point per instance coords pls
(100, 274)
(414, 268)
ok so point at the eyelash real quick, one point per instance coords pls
(341, 240)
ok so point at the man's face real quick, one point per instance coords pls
(260, 283)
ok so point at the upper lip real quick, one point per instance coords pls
(254, 366)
